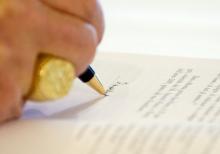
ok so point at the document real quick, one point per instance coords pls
(153, 104)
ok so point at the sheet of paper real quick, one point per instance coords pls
(142, 87)
(59, 137)
(155, 105)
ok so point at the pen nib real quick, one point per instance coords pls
(97, 85)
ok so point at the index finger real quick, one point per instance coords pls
(87, 10)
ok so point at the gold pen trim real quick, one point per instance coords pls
(95, 84)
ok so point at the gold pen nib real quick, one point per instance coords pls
(96, 85)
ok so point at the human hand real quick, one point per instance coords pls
(70, 29)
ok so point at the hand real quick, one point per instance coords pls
(71, 29)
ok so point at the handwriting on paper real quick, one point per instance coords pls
(114, 86)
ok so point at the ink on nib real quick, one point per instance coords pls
(95, 84)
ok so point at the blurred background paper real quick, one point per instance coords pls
(167, 27)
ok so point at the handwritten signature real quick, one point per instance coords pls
(114, 86)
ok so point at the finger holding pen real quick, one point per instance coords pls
(29, 28)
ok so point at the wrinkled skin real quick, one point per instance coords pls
(70, 29)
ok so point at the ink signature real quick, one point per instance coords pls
(115, 85)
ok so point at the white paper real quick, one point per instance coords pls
(143, 88)
(155, 105)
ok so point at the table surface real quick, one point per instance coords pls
(189, 28)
